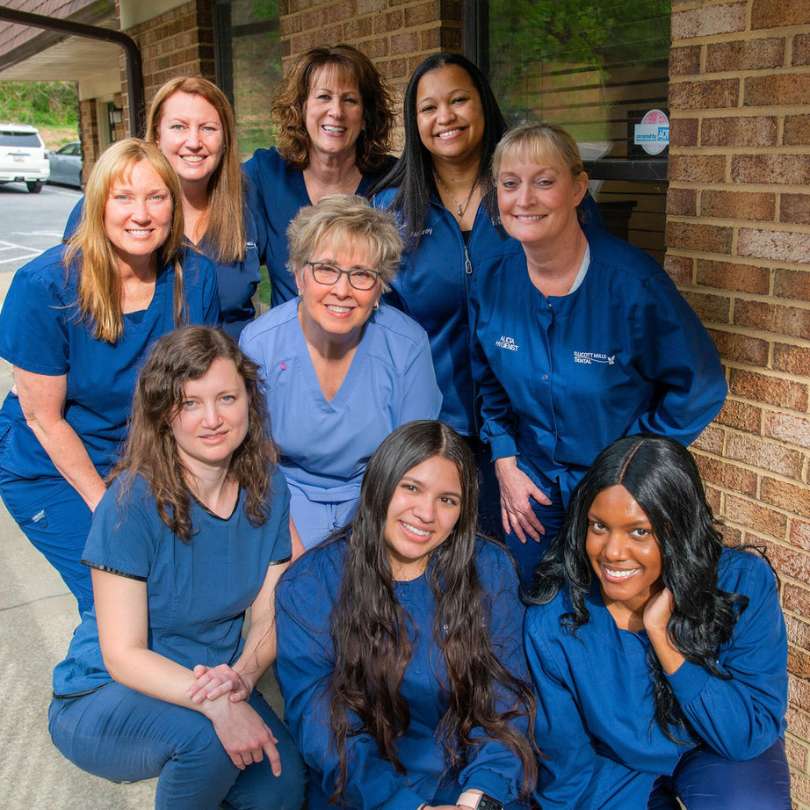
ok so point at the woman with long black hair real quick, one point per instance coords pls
(659, 657)
(400, 657)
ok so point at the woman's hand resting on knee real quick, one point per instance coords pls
(243, 734)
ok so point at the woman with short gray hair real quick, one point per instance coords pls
(341, 369)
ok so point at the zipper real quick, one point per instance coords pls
(467, 262)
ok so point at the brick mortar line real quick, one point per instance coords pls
(747, 35)
(777, 374)
(756, 499)
(750, 224)
(739, 73)
(770, 337)
(748, 261)
(750, 468)
(757, 188)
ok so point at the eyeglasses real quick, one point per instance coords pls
(329, 274)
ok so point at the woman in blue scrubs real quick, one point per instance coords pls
(194, 530)
(342, 370)
(659, 657)
(440, 192)
(334, 115)
(580, 339)
(400, 655)
(192, 122)
(76, 325)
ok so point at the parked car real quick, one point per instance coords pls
(66, 164)
(22, 157)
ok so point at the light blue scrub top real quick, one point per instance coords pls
(326, 444)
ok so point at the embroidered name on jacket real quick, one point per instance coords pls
(593, 357)
(507, 343)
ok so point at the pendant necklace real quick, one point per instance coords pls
(460, 209)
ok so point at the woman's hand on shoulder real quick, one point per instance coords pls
(517, 490)
(244, 735)
(211, 683)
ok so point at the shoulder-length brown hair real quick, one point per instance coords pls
(225, 220)
(90, 250)
(287, 111)
(151, 450)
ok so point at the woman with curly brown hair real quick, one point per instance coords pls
(334, 116)
(193, 531)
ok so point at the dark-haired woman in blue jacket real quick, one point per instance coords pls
(659, 657)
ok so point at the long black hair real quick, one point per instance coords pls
(413, 172)
(369, 626)
(662, 477)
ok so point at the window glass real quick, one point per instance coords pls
(26, 139)
(595, 67)
(256, 64)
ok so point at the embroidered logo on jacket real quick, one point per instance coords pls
(594, 357)
(507, 343)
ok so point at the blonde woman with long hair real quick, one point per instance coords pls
(76, 325)
(192, 123)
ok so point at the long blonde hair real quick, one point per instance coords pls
(90, 248)
(225, 218)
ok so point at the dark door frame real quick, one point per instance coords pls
(132, 54)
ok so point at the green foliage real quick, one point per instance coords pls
(48, 104)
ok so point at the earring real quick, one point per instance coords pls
(376, 305)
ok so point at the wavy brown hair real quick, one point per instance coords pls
(90, 251)
(224, 219)
(372, 646)
(287, 111)
(151, 451)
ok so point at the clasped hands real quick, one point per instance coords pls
(221, 693)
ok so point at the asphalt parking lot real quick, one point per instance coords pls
(30, 223)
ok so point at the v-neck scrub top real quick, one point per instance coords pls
(236, 281)
(596, 714)
(41, 332)
(197, 591)
(276, 193)
(561, 377)
(326, 444)
(305, 599)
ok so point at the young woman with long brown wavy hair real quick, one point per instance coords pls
(400, 657)
(193, 531)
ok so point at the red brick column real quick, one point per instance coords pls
(738, 239)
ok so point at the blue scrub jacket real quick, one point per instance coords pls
(596, 715)
(561, 377)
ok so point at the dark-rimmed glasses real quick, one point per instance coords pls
(329, 274)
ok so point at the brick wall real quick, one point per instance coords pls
(738, 238)
(177, 43)
(396, 34)
(88, 133)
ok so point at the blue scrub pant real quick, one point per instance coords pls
(528, 555)
(703, 780)
(123, 735)
(56, 520)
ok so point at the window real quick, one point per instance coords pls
(249, 66)
(595, 67)
(20, 139)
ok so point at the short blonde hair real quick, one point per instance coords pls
(534, 142)
(99, 280)
(346, 216)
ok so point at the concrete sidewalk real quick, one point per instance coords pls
(37, 618)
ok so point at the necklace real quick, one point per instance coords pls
(460, 209)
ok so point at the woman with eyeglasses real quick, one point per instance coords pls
(342, 370)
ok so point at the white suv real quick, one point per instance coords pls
(22, 157)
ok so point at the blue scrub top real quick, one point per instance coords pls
(595, 714)
(561, 377)
(236, 281)
(433, 287)
(197, 591)
(326, 444)
(41, 332)
(276, 192)
(305, 598)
